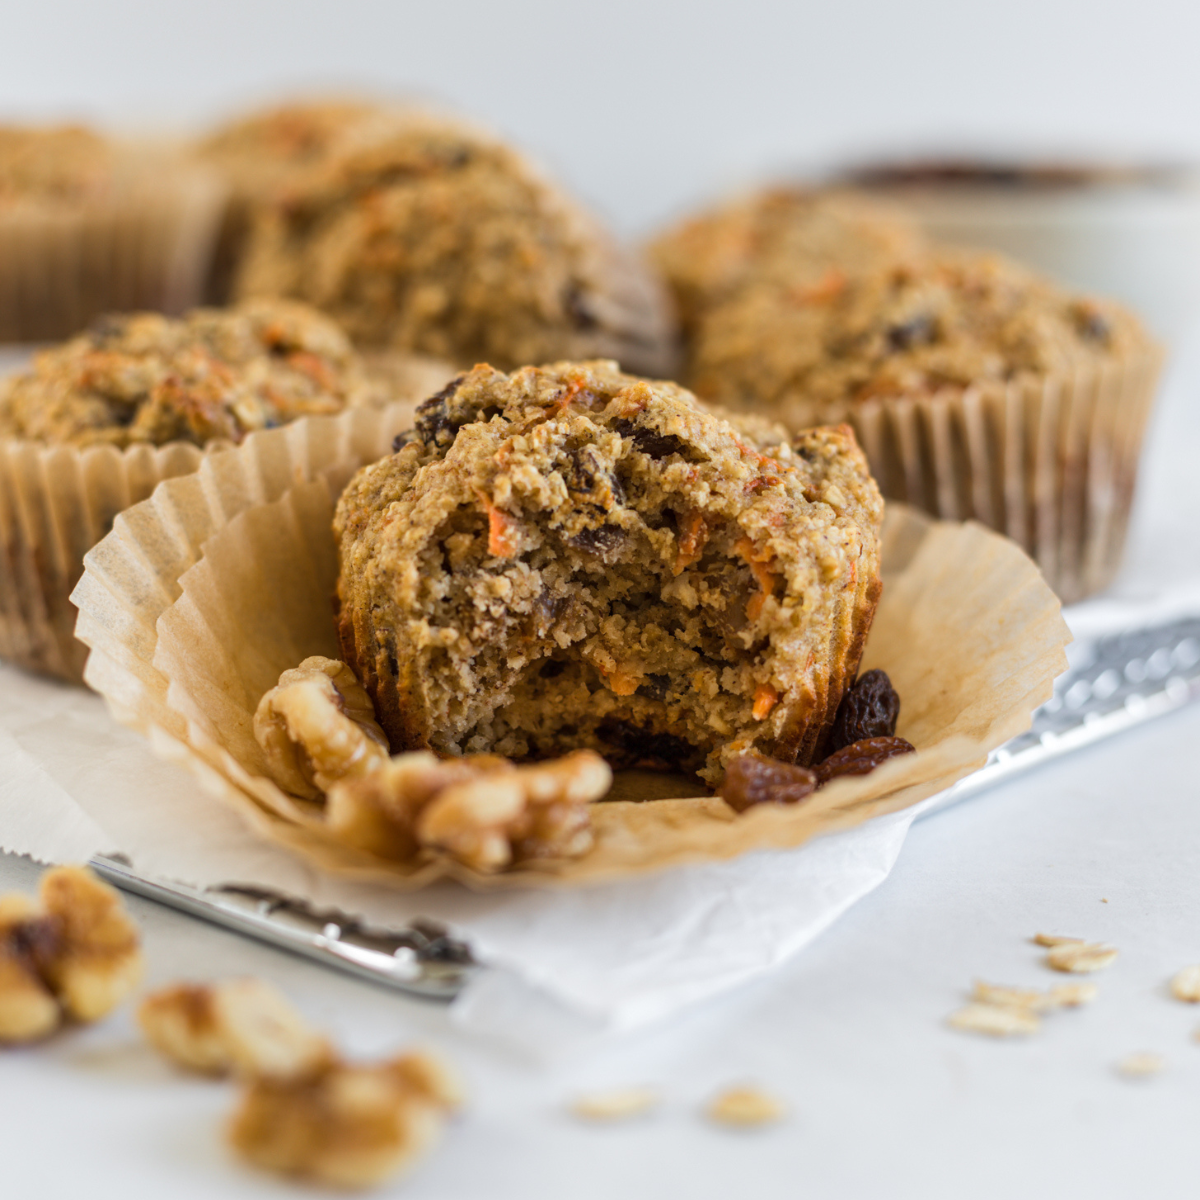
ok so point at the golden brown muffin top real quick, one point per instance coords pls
(571, 557)
(271, 147)
(215, 374)
(791, 234)
(945, 320)
(439, 239)
(52, 163)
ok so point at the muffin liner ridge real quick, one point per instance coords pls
(144, 244)
(201, 596)
(57, 502)
(1050, 462)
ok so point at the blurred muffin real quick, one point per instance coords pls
(88, 225)
(96, 423)
(568, 557)
(792, 235)
(263, 152)
(439, 239)
(977, 390)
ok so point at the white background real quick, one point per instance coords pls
(645, 105)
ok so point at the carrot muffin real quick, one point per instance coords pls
(439, 239)
(96, 423)
(570, 557)
(795, 236)
(976, 388)
(264, 152)
(89, 225)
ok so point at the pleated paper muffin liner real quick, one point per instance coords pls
(57, 502)
(144, 244)
(1050, 462)
(203, 595)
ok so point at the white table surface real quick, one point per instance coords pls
(885, 1100)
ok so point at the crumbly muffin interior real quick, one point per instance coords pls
(604, 571)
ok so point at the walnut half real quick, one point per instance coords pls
(74, 954)
(482, 810)
(346, 1125)
(316, 726)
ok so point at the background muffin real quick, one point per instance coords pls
(98, 422)
(263, 152)
(88, 225)
(439, 239)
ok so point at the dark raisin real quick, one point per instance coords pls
(869, 709)
(552, 668)
(860, 758)
(107, 329)
(917, 331)
(434, 424)
(1093, 327)
(402, 439)
(639, 747)
(649, 441)
(577, 308)
(805, 452)
(755, 779)
(584, 468)
(602, 540)
(655, 686)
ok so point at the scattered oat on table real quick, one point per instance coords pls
(996, 1020)
(618, 1104)
(745, 1106)
(1072, 995)
(1053, 939)
(1066, 995)
(1081, 957)
(1141, 1065)
(1186, 985)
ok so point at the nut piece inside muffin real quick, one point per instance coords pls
(439, 239)
(216, 374)
(568, 557)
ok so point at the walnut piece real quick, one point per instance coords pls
(481, 810)
(345, 1125)
(242, 1026)
(316, 726)
(74, 954)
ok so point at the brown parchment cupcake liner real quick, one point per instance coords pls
(204, 594)
(57, 502)
(144, 244)
(1051, 463)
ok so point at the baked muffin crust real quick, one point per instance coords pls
(950, 320)
(571, 557)
(214, 374)
(438, 239)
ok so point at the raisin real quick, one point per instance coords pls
(917, 331)
(868, 710)
(434, 424)
(553, 668)
(655, 686)
(402, 439)
(600, 541)
(577, 308)
(860, 758)
(649, 441)
(755, 779)
(1092, 326)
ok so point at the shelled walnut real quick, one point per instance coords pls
(75, 954)
(241, 1026)
(346, 1125)
(316, 726)
(482, 810)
